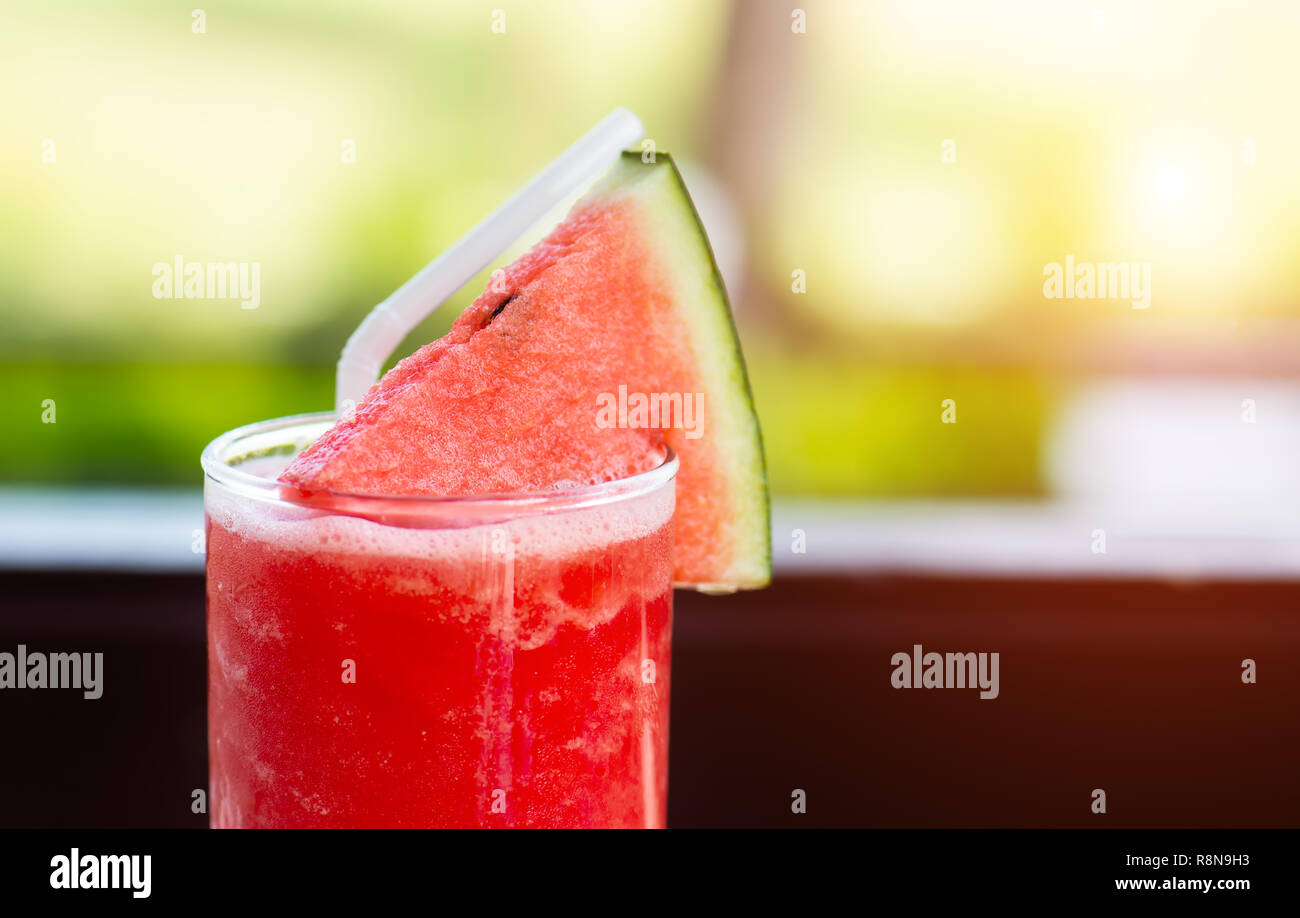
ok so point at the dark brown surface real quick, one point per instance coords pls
(1128, 686)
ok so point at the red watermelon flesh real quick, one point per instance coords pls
(620, 302)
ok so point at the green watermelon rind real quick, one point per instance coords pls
(717, 346)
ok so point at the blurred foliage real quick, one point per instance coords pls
(834, 426)
(828, 429)
(139, 423)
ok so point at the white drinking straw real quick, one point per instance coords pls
(393, 319)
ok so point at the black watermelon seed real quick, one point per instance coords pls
(502, 305)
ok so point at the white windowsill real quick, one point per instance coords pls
(153, 531)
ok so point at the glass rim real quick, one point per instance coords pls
(216, 467)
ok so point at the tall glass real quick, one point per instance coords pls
(484, 661)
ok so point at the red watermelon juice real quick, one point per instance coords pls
(418, 662)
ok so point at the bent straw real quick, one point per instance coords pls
(393, 319)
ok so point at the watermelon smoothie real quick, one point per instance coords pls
(434, 662)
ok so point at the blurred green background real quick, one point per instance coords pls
(920, 163)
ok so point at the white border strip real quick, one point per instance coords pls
(151, 530)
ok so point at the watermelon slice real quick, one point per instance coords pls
(546, 380)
